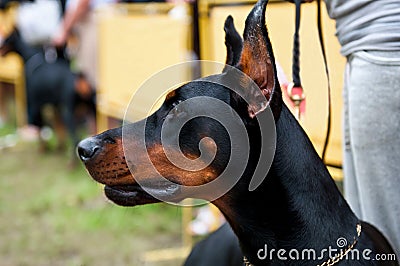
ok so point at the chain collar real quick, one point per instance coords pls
(330, 261)
(246, 262)
(343, 253)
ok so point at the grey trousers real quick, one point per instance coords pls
(372, 140)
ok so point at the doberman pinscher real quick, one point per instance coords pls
(297, 207)
(46, 82)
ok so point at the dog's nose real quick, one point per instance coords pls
(87, 149)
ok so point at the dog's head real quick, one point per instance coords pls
(131, 167)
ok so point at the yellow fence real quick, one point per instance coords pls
(135, 42)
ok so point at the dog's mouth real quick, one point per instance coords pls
(133, 195)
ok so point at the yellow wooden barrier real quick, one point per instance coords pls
(135, 42)
(12, 70)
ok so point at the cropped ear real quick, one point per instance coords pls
(233, 43)
(257, 61)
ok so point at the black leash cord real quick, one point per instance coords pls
(296, 65)
(322, 43)
(296, 48)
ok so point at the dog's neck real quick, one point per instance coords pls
(297, 206)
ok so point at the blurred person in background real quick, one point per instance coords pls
(80, 15)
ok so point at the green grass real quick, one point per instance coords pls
(50, 215)
(6, 129)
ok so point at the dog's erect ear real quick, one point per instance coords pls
(257, 59)
(233, 42)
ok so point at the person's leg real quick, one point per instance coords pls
(349, 182)
(87, 52)
(374, 126)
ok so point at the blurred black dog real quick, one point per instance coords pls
(47, 82)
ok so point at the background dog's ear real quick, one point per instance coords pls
(257, 60)
(233, 43)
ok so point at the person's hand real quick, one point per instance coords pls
(60, 39)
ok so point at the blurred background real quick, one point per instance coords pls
(68, 70)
